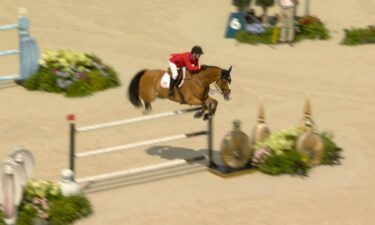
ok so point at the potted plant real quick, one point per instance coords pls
(242, 5)
(265, 4)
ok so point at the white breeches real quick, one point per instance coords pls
(174, 71)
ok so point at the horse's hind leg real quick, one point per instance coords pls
(148, 108)
(148, 95)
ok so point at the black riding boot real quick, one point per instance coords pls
(172, 82)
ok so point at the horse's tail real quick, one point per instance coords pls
(133, 91)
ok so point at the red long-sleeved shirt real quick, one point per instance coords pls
(184, 60)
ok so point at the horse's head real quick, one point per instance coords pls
(223, 83)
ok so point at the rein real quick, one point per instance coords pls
(218, 89)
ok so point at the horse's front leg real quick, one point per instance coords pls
(200, 112)
(196, 100)
(212, 106)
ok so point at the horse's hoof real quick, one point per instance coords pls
(145, 112)
(206, 116)
(198, 114)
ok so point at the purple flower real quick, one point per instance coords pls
(57, 72)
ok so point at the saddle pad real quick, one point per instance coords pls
(164, 81)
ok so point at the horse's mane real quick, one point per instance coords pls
(204, 67)
(208, 66)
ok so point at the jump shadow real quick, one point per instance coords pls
(172, 153)
(164, 152)
(7, 84)
(143, 178)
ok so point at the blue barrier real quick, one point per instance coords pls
(236, 22)
(28, 50)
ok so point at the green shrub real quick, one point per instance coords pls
(97, 81)
(281, 141)
(69, 209)
(72, 73)
(81, 204)
(79, 88)
(1, 218)
(25, 216)
(358, 36)
(42, 189)
(309, 27)
(265, 4)
(43, 199)
(43, 80)
(331, 153)
(112, 80)
(62, 213)
(241, 4)
(290, 162)
(285, 159)
(247, 37)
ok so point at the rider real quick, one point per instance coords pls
(181, 60)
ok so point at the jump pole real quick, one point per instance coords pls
(72, 140)
(211, 163)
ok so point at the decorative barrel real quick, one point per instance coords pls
(235, 148)
(311, 144)
(261, 130)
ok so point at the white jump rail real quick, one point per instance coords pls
(138, 170)
(135, 120)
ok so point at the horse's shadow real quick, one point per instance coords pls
(172, 153)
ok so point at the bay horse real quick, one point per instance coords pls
(146, 86)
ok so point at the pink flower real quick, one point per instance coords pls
(43, 215)
(36, 201)
(259, 156)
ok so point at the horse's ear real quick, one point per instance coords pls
(230, 69)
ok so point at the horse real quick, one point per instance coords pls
(146, 86)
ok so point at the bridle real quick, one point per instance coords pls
(218, 88)
(221, 88)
